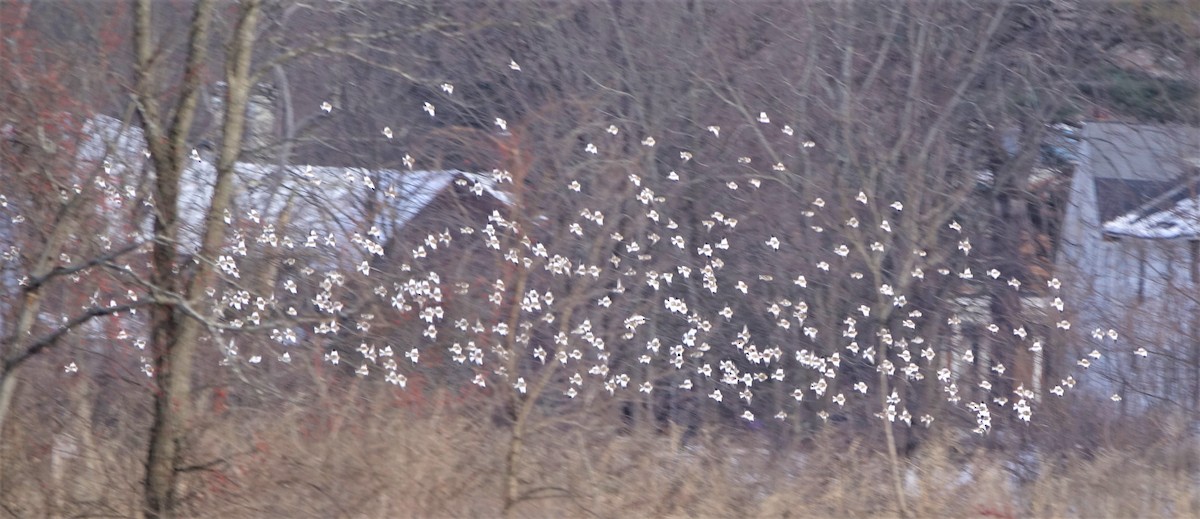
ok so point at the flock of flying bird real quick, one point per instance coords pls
(730, 375)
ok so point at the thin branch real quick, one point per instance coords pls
(48, 340)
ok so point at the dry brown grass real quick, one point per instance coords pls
(367, 459)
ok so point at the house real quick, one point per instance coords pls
(294, 222)
(1129, 256)
(327, 200)
(980, 311)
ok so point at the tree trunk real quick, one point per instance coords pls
(175, 333)
(890, 439)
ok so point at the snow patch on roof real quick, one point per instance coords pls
(1180, 221)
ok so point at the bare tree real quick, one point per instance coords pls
(772, 219)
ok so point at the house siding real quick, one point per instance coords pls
(1143, 288)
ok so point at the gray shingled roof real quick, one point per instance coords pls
(1140, 152)
(1140, 173)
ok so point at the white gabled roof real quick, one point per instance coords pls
(325, 199)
